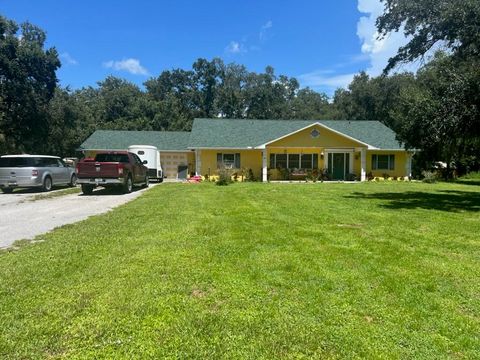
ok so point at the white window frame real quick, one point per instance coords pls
(311, 160)
(274, 165)
(389, 162)
(229, 164)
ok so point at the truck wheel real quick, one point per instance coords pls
(128, 185)
(73, 180)
(87, 189)
(47, 184)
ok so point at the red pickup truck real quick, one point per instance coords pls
(121, 169)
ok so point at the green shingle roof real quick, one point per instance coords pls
(244, 133)
(237, 133)
(121, 140)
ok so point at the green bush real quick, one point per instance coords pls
(429, 177)
(224, 177)
(285, 173)
(309, 176)
(324, 175)
(249, 176)
(472, 176)
(351, 177)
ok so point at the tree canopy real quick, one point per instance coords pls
(454, 23)
(27, 84)
(440, 112)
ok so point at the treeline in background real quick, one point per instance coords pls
(436, 110)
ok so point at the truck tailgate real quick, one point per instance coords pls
(92, 169)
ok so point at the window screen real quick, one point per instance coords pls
(315, 161)
(281, 161)
(383, 162)
(230, 161)
(306, 161)
(293, 161)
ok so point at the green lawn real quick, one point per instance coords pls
(374, 270)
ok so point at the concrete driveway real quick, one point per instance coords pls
(22, 218)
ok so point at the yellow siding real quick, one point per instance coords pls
(327, 138)
(400, 169)
(357, 164)
(90, 153)
(249, 159)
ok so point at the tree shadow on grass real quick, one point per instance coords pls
(445, 200)
(468, 182)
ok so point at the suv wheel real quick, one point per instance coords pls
(147, 181)
(128, 186)
(87, 189)
(47, 184)
(73, 180)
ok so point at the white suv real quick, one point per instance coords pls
(28, 171)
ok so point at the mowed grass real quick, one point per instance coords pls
(374, 270)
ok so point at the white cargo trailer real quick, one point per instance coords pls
(150, 157)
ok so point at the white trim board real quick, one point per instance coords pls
(339, 150)
(176, 151)
(224, 148)
(390, 150)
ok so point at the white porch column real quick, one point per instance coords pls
(198, 162)
(408, 165)
(264, 165)
(363, 164)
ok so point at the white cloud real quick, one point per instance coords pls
(326, 79)
(245, 44)
(264, 30)
(379, 50)
(235, 48)
(129, 65)
(68, 59)
(374, 52)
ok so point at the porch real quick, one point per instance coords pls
(286, 163)
(327, 164)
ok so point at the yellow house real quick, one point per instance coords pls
(270, 149)
(343, 150)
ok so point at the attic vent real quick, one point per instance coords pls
(314, 133)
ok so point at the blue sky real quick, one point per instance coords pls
(321, 43)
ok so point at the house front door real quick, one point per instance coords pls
(338, 166)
